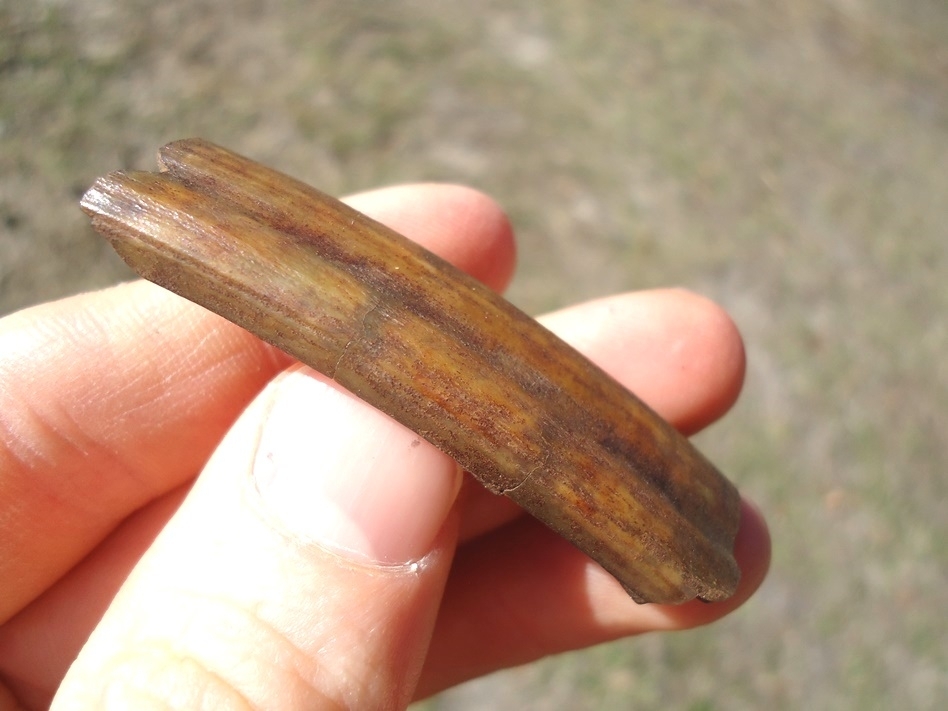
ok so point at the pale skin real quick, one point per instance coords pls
(163, 540)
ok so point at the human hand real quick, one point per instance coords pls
(324, 556)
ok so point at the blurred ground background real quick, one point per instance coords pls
(789, 160)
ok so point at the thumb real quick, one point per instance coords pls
(304, 569)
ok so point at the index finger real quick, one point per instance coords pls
(113, 398)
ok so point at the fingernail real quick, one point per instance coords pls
(339, 473)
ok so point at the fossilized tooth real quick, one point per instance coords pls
(438, 351)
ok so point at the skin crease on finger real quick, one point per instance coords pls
(715, 380)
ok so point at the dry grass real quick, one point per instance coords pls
(786, 159)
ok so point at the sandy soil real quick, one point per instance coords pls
(786, 159)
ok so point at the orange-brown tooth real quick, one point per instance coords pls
(438, 351)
